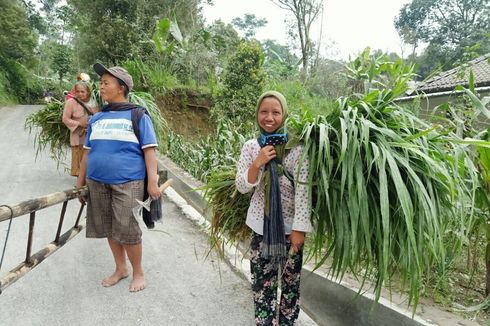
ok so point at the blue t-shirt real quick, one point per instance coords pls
(115, 155)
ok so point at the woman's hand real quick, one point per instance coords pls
(79, 184)
(84, 124)
(266, 154)
(153, 189)
(297, 239)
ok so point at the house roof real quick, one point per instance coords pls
(446, 81)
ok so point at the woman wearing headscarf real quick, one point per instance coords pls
(279, 213)
(76, 113)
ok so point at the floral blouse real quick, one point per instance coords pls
(296, 204)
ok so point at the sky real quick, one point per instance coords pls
(348, 25)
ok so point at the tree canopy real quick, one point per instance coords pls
(17, 44)
(248, 24)
(17, 39)
(449, 28)
(112, 31)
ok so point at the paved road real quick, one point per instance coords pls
(183, 287)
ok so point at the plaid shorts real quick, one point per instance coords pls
(110, 211)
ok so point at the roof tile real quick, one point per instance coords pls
(447, 80)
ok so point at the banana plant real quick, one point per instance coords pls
(168, 37)
(165, 28)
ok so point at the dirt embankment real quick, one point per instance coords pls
(187, 112)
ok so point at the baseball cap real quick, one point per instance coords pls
(118, 72)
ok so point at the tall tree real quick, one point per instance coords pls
(305, 13)
(62, 60)
(224, 37)
(448, 27)
(249, 24)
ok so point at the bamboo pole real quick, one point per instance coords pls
(23, 268)
(32, 205)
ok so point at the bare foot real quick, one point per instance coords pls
(114, 278)
(137, 284)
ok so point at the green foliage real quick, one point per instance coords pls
(387, 188)
(464, 119)
(124, 28)
(167, 34)
(243, 82)
(202, 158)
(466, 22)
(370, 72)
(280, 62)
(19, 82)
(327, 79)
(17, 43)
(225, 40)
(194, 57)
(151, 76)
(17, 40)
(62, 60)
(5, 97)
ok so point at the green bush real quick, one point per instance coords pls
(243, 82)
(5, 97)
(150, 76)
(19, 82)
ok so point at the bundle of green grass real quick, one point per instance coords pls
(389, 190)
(49, 131)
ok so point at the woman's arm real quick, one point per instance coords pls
(67, 116)
(250, 165)
(151, 171)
